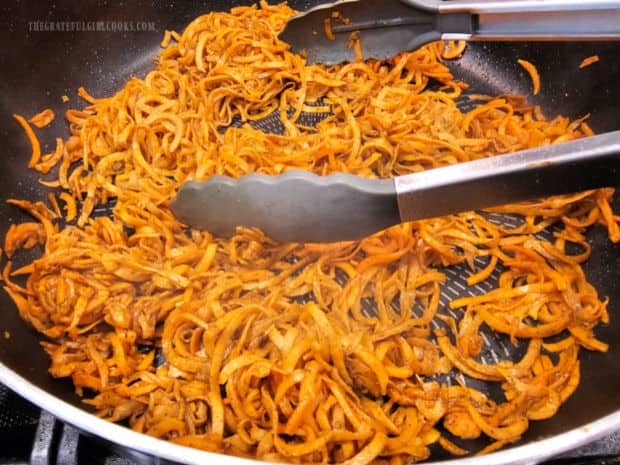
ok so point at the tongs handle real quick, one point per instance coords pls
(574, 166)
(528, 19)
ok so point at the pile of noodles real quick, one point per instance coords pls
(250, 369)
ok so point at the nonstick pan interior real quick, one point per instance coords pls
(40, 67)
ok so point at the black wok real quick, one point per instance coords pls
(39, 67)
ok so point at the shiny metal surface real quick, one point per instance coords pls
(513, 6)
(297, 206)
(532, 19)
(549, 170)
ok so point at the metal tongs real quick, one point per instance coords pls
(388, 27)
(299, 206)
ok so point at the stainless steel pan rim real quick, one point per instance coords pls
(531, 453)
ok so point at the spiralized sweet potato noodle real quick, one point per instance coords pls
(249, 370)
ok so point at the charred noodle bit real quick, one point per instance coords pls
(249, 370)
